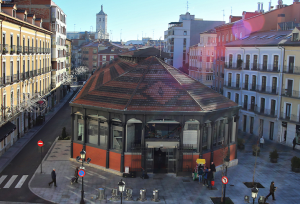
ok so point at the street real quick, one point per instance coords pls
(15, 177)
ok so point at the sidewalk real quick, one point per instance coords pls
(10, 154)
(172, 189)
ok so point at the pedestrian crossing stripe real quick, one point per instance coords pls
(12, 179)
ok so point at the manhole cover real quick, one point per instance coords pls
(186, 180)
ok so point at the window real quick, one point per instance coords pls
(247, 67)
(238, 76)
(237, 98)
(230, 60)
(275, 63)
(288, 111)
(93, 131)
(227, 38)
(246, 82)
(229, 79)
(184, 32)
(265, 62)
(117, 137)
(229, 95)
(295, 37)
(254, 62)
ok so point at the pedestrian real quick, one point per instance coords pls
(261, 142)
(294, 143)
(76, 174)
(53, 176)
(209, 177)
(200, 172)
(213, 169)
(205, 177)
(272, 190)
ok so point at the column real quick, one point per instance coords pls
(123, 146)
(201, 127)
(109, 123)
(84, 129)
(212, 131)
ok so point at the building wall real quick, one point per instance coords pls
(98, 156)
(114, 161)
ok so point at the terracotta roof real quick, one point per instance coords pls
(150, 85)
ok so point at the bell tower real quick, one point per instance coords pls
(101, 24)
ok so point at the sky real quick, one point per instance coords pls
(132, 19)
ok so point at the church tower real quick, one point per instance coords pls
(101, 24)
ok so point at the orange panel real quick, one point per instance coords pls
(114, 161)
(76, 149)
(97, 155)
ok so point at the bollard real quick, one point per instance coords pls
(261, 200)
(101, 195)
(114, 194)
(128, 195)
(155, 195)
(142, 195)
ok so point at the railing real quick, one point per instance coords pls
(25, 50)
(38, 50)
(8, 79)
(34, 50)
(42, 70)
(268, 68)
(266, 112)
(245, 86)
(15, 77)
(228, 65)
(30, 73)
(267, 89)
(26, 75)
(1, 81)
(244, 106)
(19, 49)
(35, 72)
(291, 69)
(12, 49)
(39, 71)
(5, 49)
(232, 85)
(253, 87)
(290, 93)
(22, 76)
(289, 117)
(30, 50)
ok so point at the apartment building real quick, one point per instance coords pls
(183, 34)
(201, 58)
(25, 71)
(69, 56)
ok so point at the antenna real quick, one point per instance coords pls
(223, 14)
(187, 6)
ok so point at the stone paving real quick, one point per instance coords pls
(173, 189)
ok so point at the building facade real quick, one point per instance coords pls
(201, 58)
(25, 72)
(69, 55)
(183, 34)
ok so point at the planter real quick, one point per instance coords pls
(273, 160)
(254, 153)
(297, 170)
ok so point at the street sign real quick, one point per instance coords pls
(224, 180)
(81, 173)
(40, 143)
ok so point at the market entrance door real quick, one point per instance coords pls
(160, 161)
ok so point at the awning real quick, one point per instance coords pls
(6, 129)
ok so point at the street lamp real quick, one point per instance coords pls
(82, 157)
(121, 185)
(226, 163)
(254, 192)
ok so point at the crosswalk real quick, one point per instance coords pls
(9, 181)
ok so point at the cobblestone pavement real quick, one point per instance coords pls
(173, 189)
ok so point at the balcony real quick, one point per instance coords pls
(245, 86)
(265, 112)
(25, 50)
(25, 75)
(268, 68)
(30, 50)
(290, 93)
(19, 49)
(8, 79)
(267, 89)
(21, 76)
(34, 72)
(30, 73)
(289, 117)
(42, 70)
(15, 77)
(1, 81)
(34, 50)
(245, 106)
(12, 49)
(5, 49)
(291, 69)
(38, 50)
(39, 72)
(232, 85)
(236, 66)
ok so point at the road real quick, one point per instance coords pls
(15, 177)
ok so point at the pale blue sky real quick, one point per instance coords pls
(137, 17)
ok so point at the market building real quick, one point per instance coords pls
(137, 111)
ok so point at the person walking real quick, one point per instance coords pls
(261, 142)
(53, 176)
(213, 169)
(76, 174)
(200, 172)
(294, 143)
(209, 177)
(272, 190)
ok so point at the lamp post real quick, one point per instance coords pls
(82, 157)
(121, 185)
(226, 162)
(254, 191)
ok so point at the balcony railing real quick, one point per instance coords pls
(25, 50)
(232, 85)
(5, 49)
(34, 50)
(15, 77)
(289, 117)
(265, 112)
(245, 86)
(30, 73)
(228, 65)
(12, 49)
(245, 106)
(38, 50)
(291, 69)
(19, 49)
(35, 72)
(8, 79)
(21, 76)
(1, 81)
(267, 89)
(268, 68)
(26, 75)
(290, 93)
(42, 70)
(30, 50)
(39, 71)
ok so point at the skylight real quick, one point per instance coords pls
(288, 37)
(280, 36)
(253, 37)
(271, 36)
(263, 36)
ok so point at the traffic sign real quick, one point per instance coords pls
(40, 143)
(81, 173)
(224, 180)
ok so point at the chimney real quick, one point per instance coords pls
(261, 8)
(258, 6)
(280, 19)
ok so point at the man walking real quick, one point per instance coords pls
(53, 176)
(76, 174)
(200, 172)
(213, 169)
(261, 142)
(294, 143)
(272, 190)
